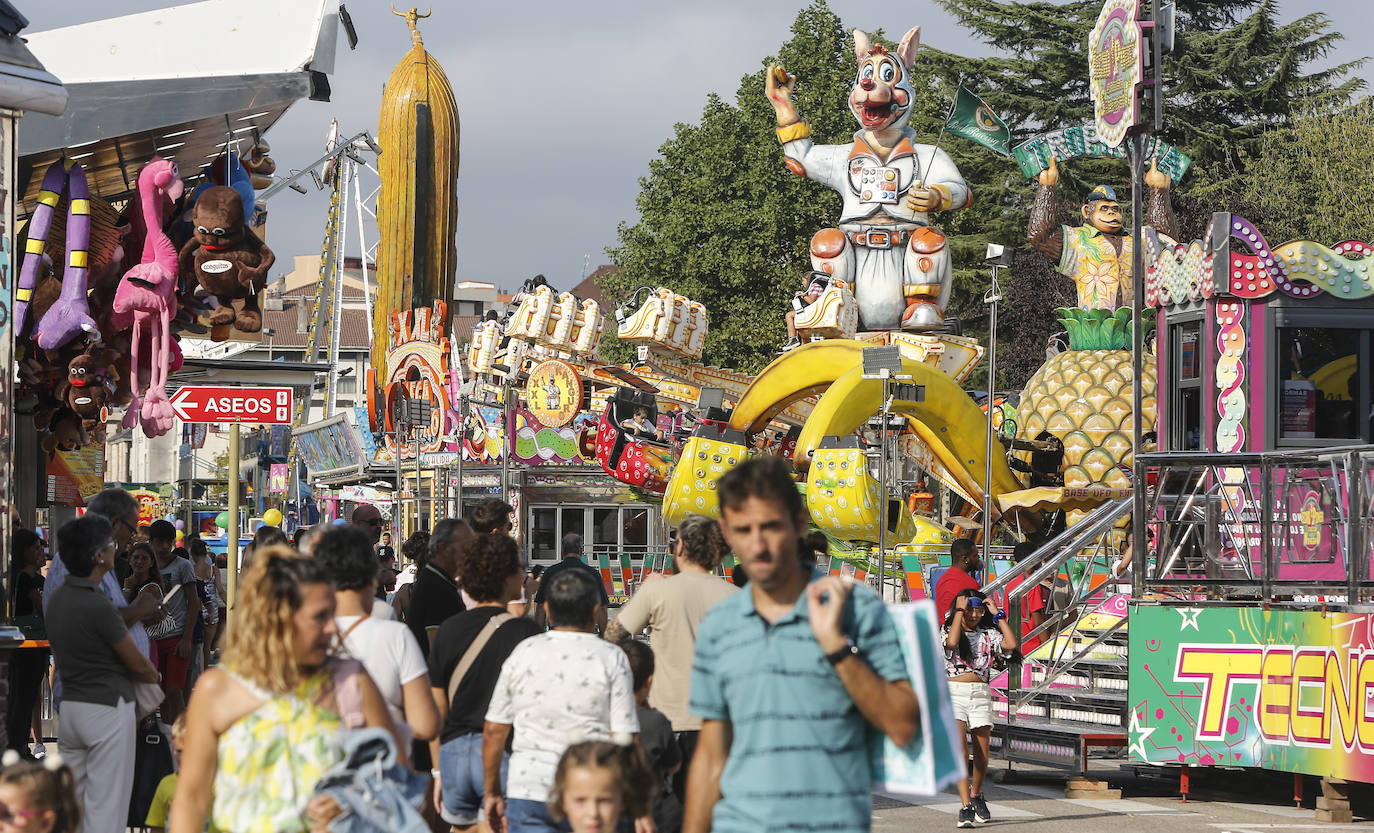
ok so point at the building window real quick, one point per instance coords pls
(610, 531)
(348, 384)
(1323, 384)
(469, 307)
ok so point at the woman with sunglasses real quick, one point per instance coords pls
(99, 664)
(978, 641)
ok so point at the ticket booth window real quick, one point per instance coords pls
(1323, 383)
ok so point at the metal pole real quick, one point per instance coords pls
(396, 513)
(993, 296)
(419, 507)
(508, 442)
(882, 480)
(231, 529)
(463, 403)
(1137, 148)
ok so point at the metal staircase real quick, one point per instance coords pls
(1069, 695)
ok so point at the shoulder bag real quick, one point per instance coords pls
(470, 655)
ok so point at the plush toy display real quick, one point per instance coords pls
(227, 260)
(145, 300)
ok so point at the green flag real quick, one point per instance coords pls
(973, 119)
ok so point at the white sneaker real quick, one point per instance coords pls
(39, 750)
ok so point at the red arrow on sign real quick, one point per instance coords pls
(265, 406)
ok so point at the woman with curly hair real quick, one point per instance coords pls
(270, 719)
(674, 607)
(492, 575)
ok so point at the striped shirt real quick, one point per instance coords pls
(798, 759)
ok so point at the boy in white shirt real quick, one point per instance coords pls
(554, 688)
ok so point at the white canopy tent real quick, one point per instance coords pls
(180, 83)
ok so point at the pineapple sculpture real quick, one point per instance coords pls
(1083, 397)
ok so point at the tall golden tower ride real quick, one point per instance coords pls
(417, 209)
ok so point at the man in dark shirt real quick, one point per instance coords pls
(572, 560)
(435, 596)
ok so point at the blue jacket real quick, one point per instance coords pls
(376, 794)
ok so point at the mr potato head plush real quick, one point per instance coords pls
(227, 259)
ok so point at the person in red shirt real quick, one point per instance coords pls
(963, 563)
(1033, 603)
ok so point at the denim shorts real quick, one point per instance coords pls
(526, 816)
(460, 769)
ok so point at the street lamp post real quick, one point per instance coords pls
(885, 364)
(997, 257)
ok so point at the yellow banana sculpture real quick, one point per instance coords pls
(949, 423)
(805, 371)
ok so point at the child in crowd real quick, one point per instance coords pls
(597, 783)
(656, 737)
(978, 641)
(38, 797)
(161, 807)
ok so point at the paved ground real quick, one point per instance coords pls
(1032, 801)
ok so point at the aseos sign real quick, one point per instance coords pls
(1116, 69)
(260, 406)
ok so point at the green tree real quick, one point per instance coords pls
(1312, 180)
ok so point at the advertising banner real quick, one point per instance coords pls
(278, 478)
(574, 443)
(1284, 690)
(76, 476)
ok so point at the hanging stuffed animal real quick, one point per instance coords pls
(64, 432)
(145, 300)
(87, 388)
(70, 316)
(260, 166)
(227, 259)
(227, 171)
(50, 192)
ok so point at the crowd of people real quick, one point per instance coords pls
(527, 707)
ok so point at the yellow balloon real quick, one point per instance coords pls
(272, 517)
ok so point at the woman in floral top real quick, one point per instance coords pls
(265, 724)
(978, 641)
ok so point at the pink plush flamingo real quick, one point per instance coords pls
(145, 298)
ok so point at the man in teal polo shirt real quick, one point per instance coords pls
(787, 678)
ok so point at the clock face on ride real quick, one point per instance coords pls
(554, 393)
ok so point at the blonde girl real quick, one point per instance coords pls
(598, 782)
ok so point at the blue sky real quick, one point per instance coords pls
(581, 93)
